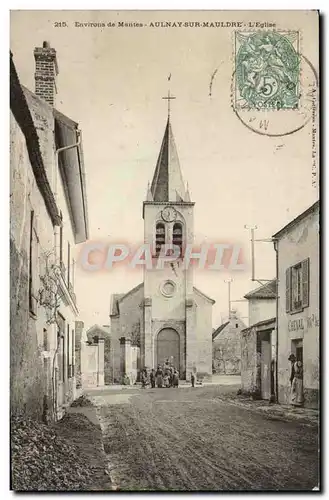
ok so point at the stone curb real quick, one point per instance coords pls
(91, 412)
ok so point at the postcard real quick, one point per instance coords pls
(164, 250)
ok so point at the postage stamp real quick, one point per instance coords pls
(267, 70)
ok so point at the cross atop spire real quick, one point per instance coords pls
(169, 97)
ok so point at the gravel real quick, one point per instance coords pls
(198, 440)
(66, 456)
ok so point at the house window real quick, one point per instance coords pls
(160, 237)
(178, 237)
(297, 287)
(33, 266)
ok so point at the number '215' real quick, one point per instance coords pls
(62, 24)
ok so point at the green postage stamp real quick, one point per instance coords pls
(267, 67)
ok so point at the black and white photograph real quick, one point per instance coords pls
(164, 251)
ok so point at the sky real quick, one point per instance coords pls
(111, 81)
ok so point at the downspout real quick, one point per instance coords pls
(60, 150)
(276, 248)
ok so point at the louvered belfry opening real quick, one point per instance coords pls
(160, 237)
(178, 237)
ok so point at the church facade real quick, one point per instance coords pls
(166, 315)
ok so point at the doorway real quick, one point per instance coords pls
(297, 349)
(168, 347)
(265, 369)
(265, 352)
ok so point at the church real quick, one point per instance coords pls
(166, 315)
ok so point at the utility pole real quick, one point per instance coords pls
(252, 239)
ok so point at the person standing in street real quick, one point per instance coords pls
(159, 377)
(152, 378)
(171, 376)
(175, 379)
(192, 379)
(296, 381)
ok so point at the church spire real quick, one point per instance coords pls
(167, 183)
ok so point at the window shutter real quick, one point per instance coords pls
(305, 282)
(288, 289)
(160, 237)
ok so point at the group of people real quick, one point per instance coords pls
(165, 375)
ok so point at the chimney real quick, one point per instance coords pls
(46, 71)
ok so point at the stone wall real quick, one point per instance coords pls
(28, 379)
(227, 348)
(249, 381)
(130, 319)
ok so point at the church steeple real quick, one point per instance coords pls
(167, 183)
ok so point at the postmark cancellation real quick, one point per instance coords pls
(274, 87)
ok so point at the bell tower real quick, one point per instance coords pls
(168, 306)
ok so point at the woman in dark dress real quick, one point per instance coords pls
(159, 376)
(152, 378)
(175, 378)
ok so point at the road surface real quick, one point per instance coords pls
(192, 439)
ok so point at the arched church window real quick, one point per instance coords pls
(178, 236)
(160, 237)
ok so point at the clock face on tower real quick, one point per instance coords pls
(169, 214)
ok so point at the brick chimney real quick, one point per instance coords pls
(46, 71)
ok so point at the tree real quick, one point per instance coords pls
(50, 294)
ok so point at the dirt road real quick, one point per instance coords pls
(190, 439)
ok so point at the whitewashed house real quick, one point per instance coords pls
(298, 316)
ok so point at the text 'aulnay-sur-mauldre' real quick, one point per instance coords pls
(168, 24)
